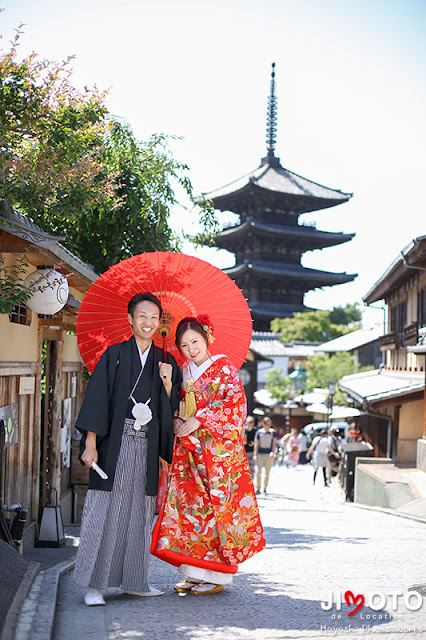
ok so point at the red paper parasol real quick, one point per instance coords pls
(186, 286)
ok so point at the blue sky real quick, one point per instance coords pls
(351, 101)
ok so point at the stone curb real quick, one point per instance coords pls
(19, 601)
(390, 512)
(37, 614)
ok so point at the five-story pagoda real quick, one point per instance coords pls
(268, 242)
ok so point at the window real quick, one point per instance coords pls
(421, 308)
(20, 314)
(393, 318)
(402, 321)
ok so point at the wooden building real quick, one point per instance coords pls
(394, 394)
(41, 375)
(268, 241)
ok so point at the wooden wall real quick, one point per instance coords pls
(22, 460)
(22, 474)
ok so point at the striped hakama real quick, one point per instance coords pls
(116, 525)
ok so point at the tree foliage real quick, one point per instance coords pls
(321, 370)
(80, 174)
(147, 178)
(278, 385)
(348, 315)
(51, 135)
(316, 326)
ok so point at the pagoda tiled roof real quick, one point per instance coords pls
(275, 309)
(276, 179)
(274, 269)
(303, 232)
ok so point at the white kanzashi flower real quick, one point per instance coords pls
(142, 414)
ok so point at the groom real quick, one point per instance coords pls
(118, 512)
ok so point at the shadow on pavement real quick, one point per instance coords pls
(242, 611)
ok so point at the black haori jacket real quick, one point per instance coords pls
(106, 404)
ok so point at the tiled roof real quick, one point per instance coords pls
(321, 278)
(372, 386)
(313, 237)
(351, 340)
(414, 254)
(19, 225)
(281, 180)
(275, 309)
(302, 350)
(269, 344)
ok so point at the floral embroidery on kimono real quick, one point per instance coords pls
(210, 518)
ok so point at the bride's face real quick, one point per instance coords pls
(194, 347)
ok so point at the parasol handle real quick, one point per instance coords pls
(164, 335)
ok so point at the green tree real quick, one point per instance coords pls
(146, 182)
(278, 385)
(78, 173)
(50, 137)
(321, 370)
(347, 315)
(310, 326)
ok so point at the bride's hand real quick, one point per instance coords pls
(177, 422)
(187, 427)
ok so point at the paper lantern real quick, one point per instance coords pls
(53, 294)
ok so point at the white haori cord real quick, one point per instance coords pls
(141, 412)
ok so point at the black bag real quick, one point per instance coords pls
(332, 458)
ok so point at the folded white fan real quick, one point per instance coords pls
(99, 471)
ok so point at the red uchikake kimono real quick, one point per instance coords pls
(210, 518)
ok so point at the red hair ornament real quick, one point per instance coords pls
(206, 326)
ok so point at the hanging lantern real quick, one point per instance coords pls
(52, 293)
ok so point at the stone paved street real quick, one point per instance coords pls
(315, 544)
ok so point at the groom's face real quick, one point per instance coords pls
(145, 320)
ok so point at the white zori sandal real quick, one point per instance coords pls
(93, 597)
(185, 585)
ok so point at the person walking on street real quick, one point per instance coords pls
(293, 449)
(265, 452)
(302, 440)
(127, 424)
(333, 454)
(319, 448)
(249, 435)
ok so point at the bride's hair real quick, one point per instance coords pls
(196, 324)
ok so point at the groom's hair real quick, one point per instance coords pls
(140, 297)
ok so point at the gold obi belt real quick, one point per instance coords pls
(188, 407)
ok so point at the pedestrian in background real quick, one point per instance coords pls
(249, 435)
(355, 433)
(302, 441)
(265, 452)
(319, 449)
(293, 449)
(333, 453)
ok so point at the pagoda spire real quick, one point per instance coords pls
(271, 125)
